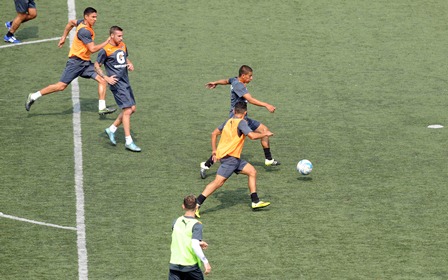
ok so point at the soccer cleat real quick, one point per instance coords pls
(29, 102)
(204, 169)
(11, 39)
(260, 204)
(8, 25)
(111, 136)
(107, 110)
(133, 147)
(271, 162)
(196, 213)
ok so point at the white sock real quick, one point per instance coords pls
(36, 95)
(101, 104)
(112, 128)
(128, 140)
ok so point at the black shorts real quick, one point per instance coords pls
(187, 275)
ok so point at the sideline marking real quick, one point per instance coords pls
(79, 177)
(34, 222)
(30, 42)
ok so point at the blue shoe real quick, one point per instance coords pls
(8, 25)
(11, 39)
(111, 136)
(133, 147)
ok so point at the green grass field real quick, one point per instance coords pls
(355, 83)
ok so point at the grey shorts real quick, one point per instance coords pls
(124, 96)
(22, 6)
(77, 67)
(230, 165)
(253, 124)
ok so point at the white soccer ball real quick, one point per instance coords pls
(304, 167)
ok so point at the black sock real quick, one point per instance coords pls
(9, 34)
(200, 199)
(209, 162)
(267, 153)
(254, 197)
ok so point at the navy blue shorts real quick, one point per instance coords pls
(76, 67)
(124, 96)
(22, 6)
(230, 165)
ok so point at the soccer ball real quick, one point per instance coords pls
(304, 167)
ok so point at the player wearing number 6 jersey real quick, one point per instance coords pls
(114, 56)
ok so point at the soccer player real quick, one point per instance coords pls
(187, 256)
(239, 92)
(233, 133)
(26, 10)
(79, 64)
(114, 56)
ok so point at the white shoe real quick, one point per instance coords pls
(204, 168)
(271, 162)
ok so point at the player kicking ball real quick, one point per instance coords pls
(233, 134)
(114, 56)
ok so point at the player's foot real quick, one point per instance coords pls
(11, 39)
(196, 213)
(111, 136)
(8, 24)
(260, 204)
(29, 102)
(133, 147)
(107, 110)
(271, 162)
(204, 169)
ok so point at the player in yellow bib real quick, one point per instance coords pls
(187, 257)
(233, 133)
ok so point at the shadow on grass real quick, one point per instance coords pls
(228, 198)
(305, 179)
(27, 32)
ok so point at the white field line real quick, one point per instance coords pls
(35, 222)
(30, 42)
(79, 177)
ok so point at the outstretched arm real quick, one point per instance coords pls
(212, 85)
(257, 135)
(259, 103)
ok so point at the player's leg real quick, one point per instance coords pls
(259, 127)
(130, 145)
(251, 173)
(102, 88)
(26, 10)
(59, 86)
(205, 165)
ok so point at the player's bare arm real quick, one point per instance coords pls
(215, 135)
(94, 48)
(259, 103)
(71, 23)
(112, 80)
(258, 135)
(212, 85)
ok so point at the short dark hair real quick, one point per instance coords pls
(190, 202)
(244, 70)
(89, 10)
(115, 28)
(240, 107)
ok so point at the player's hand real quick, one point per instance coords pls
(61, 42)
(210, 85)
(112, 80)
(270, 108)
(130, 66)
(208, 269)
(203, 245)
